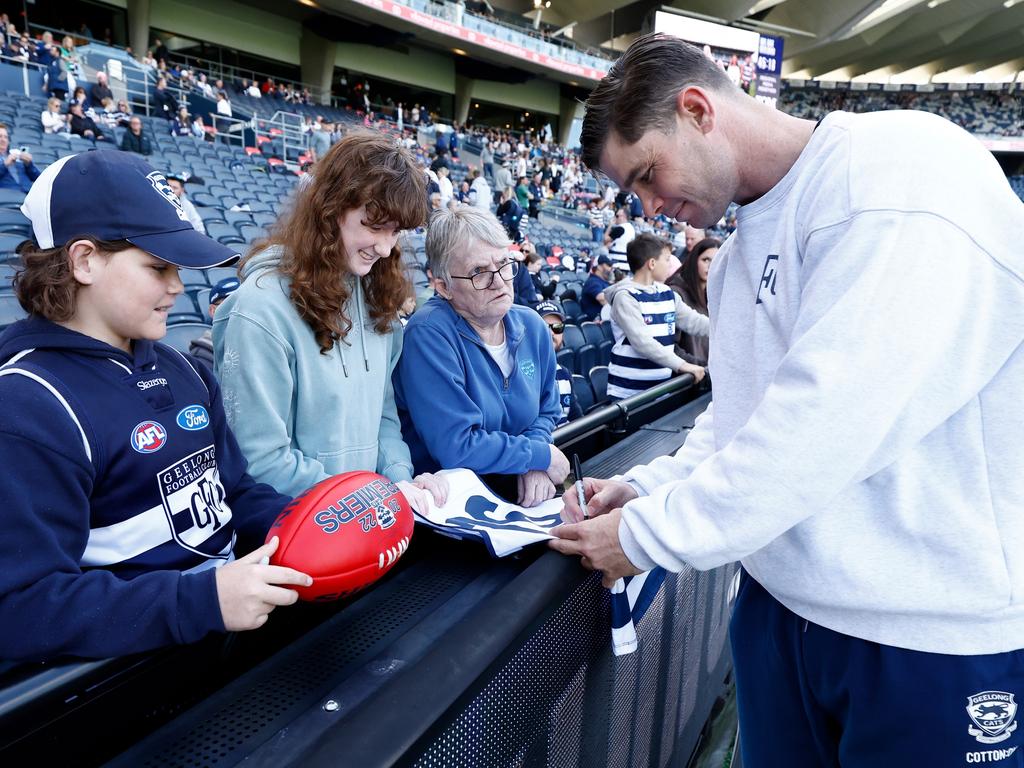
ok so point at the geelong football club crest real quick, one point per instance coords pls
(994, 713)
(193, 499)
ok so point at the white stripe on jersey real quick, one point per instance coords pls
(5, 371)
(129, 538)
(225, 556)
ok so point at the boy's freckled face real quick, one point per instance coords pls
(130, 297)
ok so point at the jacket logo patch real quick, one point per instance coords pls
(768, 278)
(193, 499)
(149, 437)
(528, 367)
(193, 418)
(993, 712)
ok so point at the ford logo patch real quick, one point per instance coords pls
(193, 418)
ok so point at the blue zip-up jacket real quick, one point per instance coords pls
(458, 410)
(123, 489)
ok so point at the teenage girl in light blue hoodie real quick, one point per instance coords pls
(306, 346)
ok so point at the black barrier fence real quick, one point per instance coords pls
(454, 659)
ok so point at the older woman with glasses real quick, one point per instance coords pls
(475, 386)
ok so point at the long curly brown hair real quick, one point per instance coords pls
(363, 168)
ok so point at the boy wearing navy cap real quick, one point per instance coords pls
(121, 520)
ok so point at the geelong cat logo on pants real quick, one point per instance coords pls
(993, 712)
(193, 500)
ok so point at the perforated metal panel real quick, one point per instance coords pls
(227, 727)
(563, 700)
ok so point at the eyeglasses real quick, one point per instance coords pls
(556, 327)
(484, 279)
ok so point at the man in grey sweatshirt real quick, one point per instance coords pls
(873, 492)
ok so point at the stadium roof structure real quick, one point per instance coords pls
(913, 41)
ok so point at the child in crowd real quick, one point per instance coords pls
(305, 348)
(645, 313)
(125, 492)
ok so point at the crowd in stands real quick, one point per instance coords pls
(991, 113)
(449, 326)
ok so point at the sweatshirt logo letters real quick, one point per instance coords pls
(149, 437)
(193, 418)
(768, 278)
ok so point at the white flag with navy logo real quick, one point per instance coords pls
(631, 597)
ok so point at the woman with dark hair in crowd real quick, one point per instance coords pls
(691, 283)
(305, 348)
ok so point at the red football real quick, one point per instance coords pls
(346, 532)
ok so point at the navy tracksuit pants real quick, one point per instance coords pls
(809, 697)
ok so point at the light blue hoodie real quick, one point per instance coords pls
(301, 416)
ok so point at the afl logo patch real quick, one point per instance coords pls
(193, 418)
(149, 437)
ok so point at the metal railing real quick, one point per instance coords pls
(563, 49)
(27, 66)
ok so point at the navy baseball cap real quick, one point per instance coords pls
(117, 196)
(224, 288)
(603, 259)
(550, 308)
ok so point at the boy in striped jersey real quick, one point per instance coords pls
(125, 492)
(645, 314)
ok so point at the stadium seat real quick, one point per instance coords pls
(9, 242)
(14, 222)
(583, 393)
(193, 277)
(10, 309)
(217, 274)
(566, 357)
(592, 332)
(202, 299)
(211, 214)
(588, 356)
(11, 198)
(203, 199)
(7, 272)
(250, 232)
(572, 310)
(184, 304)
(225, 234)
(180, 335)
(606, 329)
(599, 383)
(605, 351)
(237, 217)
(265, 220)
(573, 338)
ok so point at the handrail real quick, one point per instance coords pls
(620, 409)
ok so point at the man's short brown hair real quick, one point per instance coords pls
(639, 92)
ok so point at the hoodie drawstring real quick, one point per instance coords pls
(362, 327)
(362, 333)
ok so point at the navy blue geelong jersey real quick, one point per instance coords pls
(123, 491)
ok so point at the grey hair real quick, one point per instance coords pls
(449, 232)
